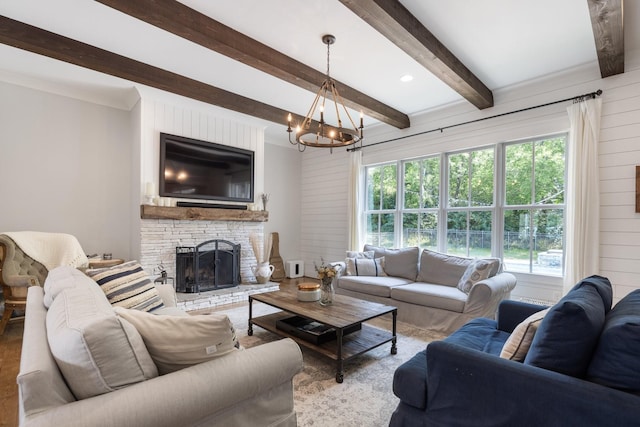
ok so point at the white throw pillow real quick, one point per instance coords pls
(364, 254)
(517, 345)
(95, 350)
(479, 269)
(365, 267)
(176, 342)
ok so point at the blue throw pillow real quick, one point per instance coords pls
(616, 361)
(568, 334)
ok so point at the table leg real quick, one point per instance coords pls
(340, 368)
(250, 330)
(394, 349)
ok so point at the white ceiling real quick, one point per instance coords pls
(503, 42)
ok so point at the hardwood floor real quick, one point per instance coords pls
(10, 348)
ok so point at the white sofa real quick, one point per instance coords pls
(426, 286)
(243, 387)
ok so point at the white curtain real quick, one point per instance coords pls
(583, 195)
(355, 202)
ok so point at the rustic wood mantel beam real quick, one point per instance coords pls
(608, 32)
(33, 39)
(178, 19)
(397, 24)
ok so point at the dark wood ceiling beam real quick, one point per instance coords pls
(36, 40)
(176, 18)
(608, 32)
(397, 24)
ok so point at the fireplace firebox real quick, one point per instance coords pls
(214, 264)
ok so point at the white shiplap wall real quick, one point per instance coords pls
(325, 220)
(178, 119)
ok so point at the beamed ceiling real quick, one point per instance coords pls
(265, 59)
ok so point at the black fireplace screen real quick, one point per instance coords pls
(212, 265)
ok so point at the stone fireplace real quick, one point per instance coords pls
(163, 229)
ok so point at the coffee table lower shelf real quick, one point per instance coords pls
(353, 344)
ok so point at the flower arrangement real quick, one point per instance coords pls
(325, 270)
(326, 273)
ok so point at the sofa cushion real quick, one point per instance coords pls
(480, 334)
(430, 295)
(478, 270)
(127, 285)
(442, 269)
(365, 267)
(603, 286)
(616, 360)
(398, 262)
(568, 334)
(519, 342)
(371, 285)
(177, 342)
(95, 350)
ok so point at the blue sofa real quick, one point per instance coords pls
(582, 367)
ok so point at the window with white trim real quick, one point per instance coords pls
(506, 200)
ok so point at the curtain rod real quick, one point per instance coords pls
(578, 98)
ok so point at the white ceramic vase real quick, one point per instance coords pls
(263, 272)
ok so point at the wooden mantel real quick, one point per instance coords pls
(201, 214)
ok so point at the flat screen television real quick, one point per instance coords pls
(194, 169)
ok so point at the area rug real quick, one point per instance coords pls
(365, 398)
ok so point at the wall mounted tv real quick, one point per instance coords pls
(195, 169)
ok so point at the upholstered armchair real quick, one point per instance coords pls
(19, 268)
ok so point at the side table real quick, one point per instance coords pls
(103, 263)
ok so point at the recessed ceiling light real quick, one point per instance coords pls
(406, 78)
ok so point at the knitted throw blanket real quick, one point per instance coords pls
(50, 249)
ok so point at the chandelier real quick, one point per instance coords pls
(311, 133)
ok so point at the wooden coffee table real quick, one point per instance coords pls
(343, 314)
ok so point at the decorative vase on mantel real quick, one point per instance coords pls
(326, 291)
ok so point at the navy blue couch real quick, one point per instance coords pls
(582, 369)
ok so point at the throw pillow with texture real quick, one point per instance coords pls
(176, 342)
(127, 285)
(479, 269)
(365, 267)
(518, 343)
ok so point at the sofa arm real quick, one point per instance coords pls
(511, 313)
(485, 295)
(191, 395)
(466, 384)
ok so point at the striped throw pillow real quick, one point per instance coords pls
(365, 267)
(127, 285)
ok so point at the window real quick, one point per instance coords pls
(382, 188)
(470, 204)
(506, 200)
(421, 199)
(534, 206)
